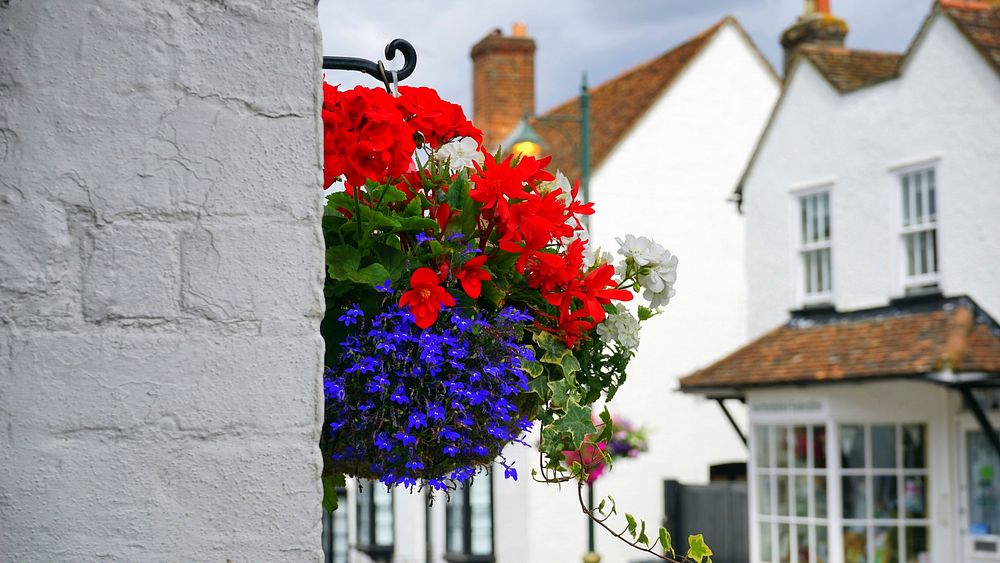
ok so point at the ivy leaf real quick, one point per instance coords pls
(330, 484)
(631, 524)
(697, 549)
(569, 364)
(342, 261)
(665, 542)
(600, 507)
(576, 422)
(643, 539)
(561, 392)
(614, 506)
(540, 383)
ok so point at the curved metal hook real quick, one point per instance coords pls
(371, 69)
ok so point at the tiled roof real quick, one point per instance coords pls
(908, 339)
(979, 21)
(615, 106)
(850, 69)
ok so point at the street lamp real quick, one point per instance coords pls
(525, 140)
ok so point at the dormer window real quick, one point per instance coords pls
(919, 229)
(816, 270)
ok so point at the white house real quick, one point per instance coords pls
(871, 208)
(670, 138)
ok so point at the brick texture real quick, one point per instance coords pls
(503, 84)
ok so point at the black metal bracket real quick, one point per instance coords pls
(981, 418)
(376, 70)
(732, 421)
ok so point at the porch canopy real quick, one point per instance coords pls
(946, 340)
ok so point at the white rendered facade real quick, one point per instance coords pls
(937, 120)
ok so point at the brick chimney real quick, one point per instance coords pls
(503, 83)
(816, 26)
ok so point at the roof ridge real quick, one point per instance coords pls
(704, 35)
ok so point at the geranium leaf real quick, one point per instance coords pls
(370, 275)
(377, 219)
(414, 208)
(417, 224)
(697, 549)
(458, 191)
(342, 261)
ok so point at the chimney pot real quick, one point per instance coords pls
(520, 30)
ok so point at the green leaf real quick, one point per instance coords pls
(576, 422)
(417, 224)
(414, 208)
(330, 485)
(631, 524)
(643, 539)
(614, 506)
(561, 393)
(374, 218)
(342, 261)
(569, 363)
(540, 383)
(388, 194)
(645, 313)
(665, 542)
(600, 506)
(372, 275)
(697, 549)
(458, 191)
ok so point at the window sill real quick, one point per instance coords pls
(463, 558)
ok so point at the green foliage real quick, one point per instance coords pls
(697, 549)
(330, 485)
(665, 542)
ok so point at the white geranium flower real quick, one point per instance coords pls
(658, 279)
(461, 152)
(657, 268)
(620, 327)
(560, 183)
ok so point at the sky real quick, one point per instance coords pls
(600, 37)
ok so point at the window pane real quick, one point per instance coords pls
(853, 495)
(886, 542)
(802, 547)
(886, 496)
(365, 513)
(762, 446)
(932, 234)
(913, 446)
(481, 517)
(883, 445)
(822, 549)
(784, 544)
(931, 203)
(855, 544)
(827, 269)
(906, 201)
(814, 210)
(808, 266)
(911, 259)
(782, 501)
(804, 216)
(916, 545)
(383, 515)
(766, 553)
(819, 446)
(802, 496)
(826, 216)
(455, 522)
(918, 199)
(764, 495)
(852, 446)
(781, 435)
(800, 452)
(819, 496)
(984, 485)
(915, 496)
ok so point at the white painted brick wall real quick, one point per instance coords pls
(160, 280)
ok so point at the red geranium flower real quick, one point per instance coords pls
(425, 297)
(472, 275)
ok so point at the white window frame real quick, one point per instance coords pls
(908, 283)
(772, 473)
(800, 248)
(900, 522)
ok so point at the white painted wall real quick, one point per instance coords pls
(668, 179)
(946, 105)
(160, 281)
